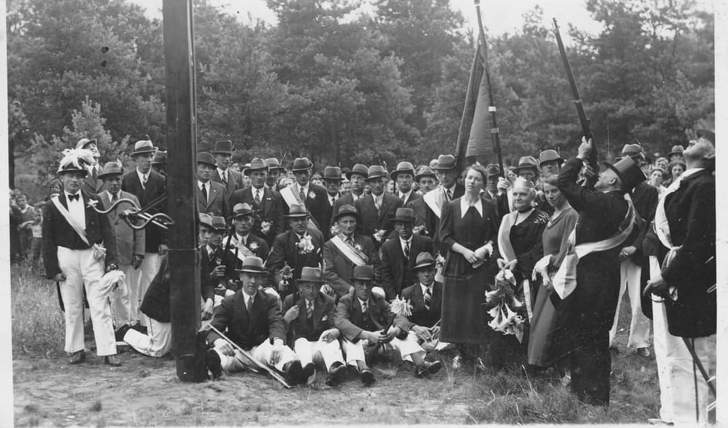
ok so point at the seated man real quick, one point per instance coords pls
(367, 324)
(252, 319)
(425, 296)
(217, 266)
(245, 243)
(309, 315)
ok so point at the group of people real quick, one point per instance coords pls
(523, 266)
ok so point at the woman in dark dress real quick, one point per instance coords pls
(545, 346)
(467, 229)
(519, 238)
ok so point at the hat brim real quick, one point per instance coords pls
(560, 160)
(417, 177)
(407, 220)
(143, 151)
(247, 171)
(442, 168)
(360, 278)
(221, 152)
(297, 215)
(310, 281)
(246, 269)
(349, 174)
(109, 174)
(616, 171)
(207, 163)
(375, 177)
(533, 167)
(74, 170)
(332, 178)
(394, 174)
(234, 216)
(424, 265)
(349, 214)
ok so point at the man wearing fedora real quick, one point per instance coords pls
(79, 247)
(296, 248)
(129, 246)
(357, 179)
(633, 261)
(243, 242)
(274, 173)
(252, 319)
(228, 177)
(549, 161)
(404, 176)
(427, 181)
(345, 250)
(398, 254)
(267, 204)
(332, 181)
(305, 193)
(92, 183)
(309, 316)
(148, 186)
(377, 209)
(368, 326)
(607, 218)
(449, 189)
(210, 194)
(676, 153)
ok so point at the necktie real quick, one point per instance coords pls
(224, 177)
(114, 197)
(428, 298)
(406, 249)
(144, 181)
(309, 309)
(204, 192)
(249, 306)
(76, 197)
(449, 194)
(302, 194)
(364, 307)
(257, 197)
(94, 173)
(377, 203)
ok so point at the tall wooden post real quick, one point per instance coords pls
(181, 148)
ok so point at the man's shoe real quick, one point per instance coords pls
(112, 360)
(306, 373)
(457, 362)
(658, 421)
(292, 371)
(644, 352)
(77, 357)
(367, 377)
(121, 332)
(212, 360)
(336, 374)
(428, 368)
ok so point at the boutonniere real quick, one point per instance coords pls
(358, 247)
(379, 235)
(325, 317)
(311, 195)
(265, 226)
(92, 203)
(335, 230)
(305, 245)
(419, 229)
(253, 246)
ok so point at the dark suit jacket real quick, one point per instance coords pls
(318, 206)
(350, 320)
(644, 197)
(321, 320)
(248, 329)
(338, 269)
(155, 187)
(235, 182)
(58, 233)
(285, 250)
(690, 212)
(396, 271)
(208, 262)
(371, 220)
(216, 203)
(271, 209)
(420, 314)
(128, 241)
(413, 196)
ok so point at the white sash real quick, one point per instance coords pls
(564, 280)
(291, 197)
(435, 200)
(242, 250)
(64, 212)
(351, 253)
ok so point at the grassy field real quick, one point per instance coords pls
(146, 391)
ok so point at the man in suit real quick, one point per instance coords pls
(305, 193)
(398, 254)
(266, 202)
(549, 161)
(332, 180)
(210, 195)
(228, 177)
(296, 248)
(92, 183)
(446, 171)
(252, 319)
(345, 250)
(368, 325)
(243, 242)
(129, 246)
(357, 179)
(685, 224)
(309, 316)
(425, 295)
(149, 187)
(74, 238)
(427, 181)
(404, 176)
(377, 209)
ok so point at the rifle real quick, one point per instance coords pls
(274, 374)
(585, 129)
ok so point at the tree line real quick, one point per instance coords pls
(342, 86)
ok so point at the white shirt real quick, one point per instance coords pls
(111, 195)
(246, 299)
(143, 178)
(76, 210)
(206, 185)
(403, 242)
(223, 173)
(405, 196)
(451, 189)
(305, 190)
(258, 193)
(378, 199)
(333, 198)
(425, 288)
(243, 239)
(464, 205)
(363, 304)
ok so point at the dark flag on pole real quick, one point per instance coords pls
(471, 97)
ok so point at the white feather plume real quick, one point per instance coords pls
(79, 158)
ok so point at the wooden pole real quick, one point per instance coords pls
(181, 148)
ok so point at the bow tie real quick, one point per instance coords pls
(76, 197)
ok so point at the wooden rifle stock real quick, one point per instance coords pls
(583, 120)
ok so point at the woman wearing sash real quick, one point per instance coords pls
(467, 230)
(519, 239)
(546, 341)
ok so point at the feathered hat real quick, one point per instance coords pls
(75, 160)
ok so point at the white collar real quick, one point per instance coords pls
(111, 195)
(425, 288)
(403, 241)
(222, 172)
(142, 176)
(200, 183)
(405, 195)
(362, 302)
(305, 188)
(675, 184)
(247, 297)
(464, 205)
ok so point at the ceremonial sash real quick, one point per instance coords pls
(504, 242)
(564, 280)
(435, 200)
(242, 250)
(64, 212)
(354, 255)
(292, 198)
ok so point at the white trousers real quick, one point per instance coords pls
(83, 270)
(156, 343)
(406, 347)
(329, 352)
(148, 270)
(121, 300)
(675, 368)
(261, 353)
(639, 327)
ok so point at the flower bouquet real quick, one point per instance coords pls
(502, 304)
(305, 245)
(265, 227)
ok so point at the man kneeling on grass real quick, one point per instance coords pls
(309, 315)
(252, 319)
(368, 326)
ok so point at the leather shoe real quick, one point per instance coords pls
(112, 360)
(367, 377)
(427, 368)
(212, 360)
(121, 332)
(336, 374)
(292, 371)
(644, 352)
(306, 373)
(77, 357)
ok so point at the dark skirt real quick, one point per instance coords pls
(544, 325)
(463, 315)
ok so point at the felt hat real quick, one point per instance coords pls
(549, 155)
(224, 147)
(676, 150)
(628, 171)
(75, 161)
(527, 162)
(424, 260)
(403, 167)
(242, 209)
(424, 171)
(332, 173)
(111, 168)
(218, 223)
(297, 211)
(376, 171)
(256, 164)
(206, 158)
(359, 169)
(633, 151)
(206, 219)
(445, 163)
(252, 264)
(273, 164)
(301, 164)
(404, 215)
(363, 273)
(143, 147)
(345, 210)
(310, 274)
